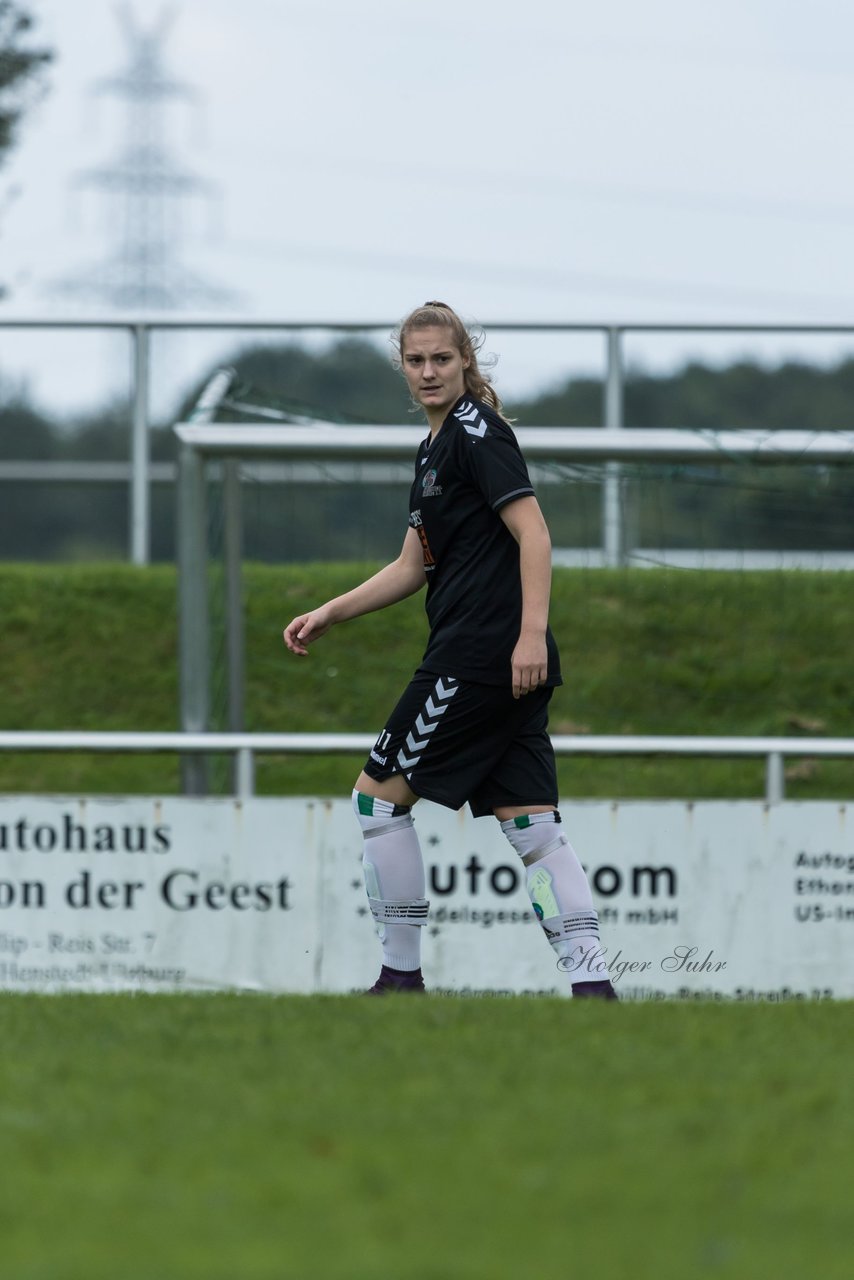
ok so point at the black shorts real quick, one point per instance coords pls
(455, 742)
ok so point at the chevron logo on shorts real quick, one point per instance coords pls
(426, 721)
(471, 419)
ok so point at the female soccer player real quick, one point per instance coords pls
(471, 726)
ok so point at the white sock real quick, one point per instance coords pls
(394, 878)
(559, 893)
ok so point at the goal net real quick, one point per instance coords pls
(298, 491)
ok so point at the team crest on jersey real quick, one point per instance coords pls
(469, 415)
(429, 488)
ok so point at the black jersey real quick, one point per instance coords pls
(472, 468)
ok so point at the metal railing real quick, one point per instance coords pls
(244, 747)
(140, 330)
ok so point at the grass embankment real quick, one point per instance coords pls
(218, 1137)
(655, 652)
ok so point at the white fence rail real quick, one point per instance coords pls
(142, 329)
(244, 747)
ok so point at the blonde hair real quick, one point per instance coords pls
(438, 315)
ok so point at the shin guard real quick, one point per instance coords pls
(559, 893)
(394, 878)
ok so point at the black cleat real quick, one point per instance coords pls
(594, 991)
(397, 982)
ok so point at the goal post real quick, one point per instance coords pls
(192, 554)
(219, 450)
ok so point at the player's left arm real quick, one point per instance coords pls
(525, 521)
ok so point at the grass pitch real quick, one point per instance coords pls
(652, 652)
(240, 1138)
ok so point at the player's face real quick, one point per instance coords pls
(434, 370)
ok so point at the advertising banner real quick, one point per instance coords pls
(715, 899)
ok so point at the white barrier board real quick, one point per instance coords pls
(716, 898)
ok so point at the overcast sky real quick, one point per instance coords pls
(664, 161)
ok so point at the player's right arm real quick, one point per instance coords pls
(402, 578)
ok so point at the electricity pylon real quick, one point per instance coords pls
(144, 188)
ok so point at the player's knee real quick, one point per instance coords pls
(394, 789)
(535, 835)
(379, 817)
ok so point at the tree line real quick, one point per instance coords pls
(352, 381)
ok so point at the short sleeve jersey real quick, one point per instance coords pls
(463, 478)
